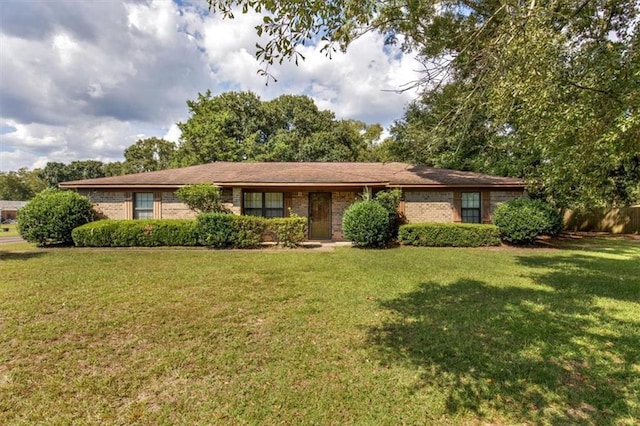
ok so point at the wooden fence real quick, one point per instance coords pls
(616, 221)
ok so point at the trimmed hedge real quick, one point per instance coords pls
(449, 235)
(216, 230)
(288, 231)
(247, 231)
(221, 230)
(136, 233)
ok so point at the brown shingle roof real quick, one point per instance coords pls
(11, 205)
(300, 174)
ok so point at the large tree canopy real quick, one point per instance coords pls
(148, 155)
(238, 126)
(544, 90)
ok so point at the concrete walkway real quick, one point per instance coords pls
(311, 245)
(11, 240)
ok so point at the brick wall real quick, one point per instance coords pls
(107, 204)
(428, 206)
(340, 201)
(173, 208)
(300, 203)
(111, 204)
(499, 197)
(235, 203)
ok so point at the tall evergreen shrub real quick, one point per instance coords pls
(50, 217)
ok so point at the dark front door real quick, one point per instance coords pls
(320, 216)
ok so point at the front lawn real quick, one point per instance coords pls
(402, 336)
(8, 230)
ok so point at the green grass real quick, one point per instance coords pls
(402, 336)
(11, 230)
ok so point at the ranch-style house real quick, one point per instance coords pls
(319, 191)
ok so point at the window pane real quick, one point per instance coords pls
(471, 215)
(274, 213)
(143, 205)
(273, 200)
(267, 204)
(143, 214)
(252, 200)
(144, 200)
(253, 212)
(470, 200)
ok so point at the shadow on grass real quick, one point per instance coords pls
(19, 255)
(542, 354)
(611, 273)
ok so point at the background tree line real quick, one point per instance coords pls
(232, 126)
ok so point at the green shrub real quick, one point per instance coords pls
(202, 198)
(366, 224)
(288, 231)
(215, 229)
(95, 234)
(50, 217)
(390, 200)
(136, 233)
(522, 220)
(449, 235)
(221, 230)
(248, 231)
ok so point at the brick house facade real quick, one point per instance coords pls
(319, 191)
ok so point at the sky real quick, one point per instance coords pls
(83, 80)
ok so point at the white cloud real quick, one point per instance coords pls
(77, 87)
(173, 134)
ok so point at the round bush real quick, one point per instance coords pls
(51, 215)
(366, 224)
(522, 220)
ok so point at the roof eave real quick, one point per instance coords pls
(457, 185)
(72, 185)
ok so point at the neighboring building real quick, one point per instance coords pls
(9, 209)
(319, 191)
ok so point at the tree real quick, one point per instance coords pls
(148, 155)
(553, 86)
(21, 185)
(85, 169)
(56, 172)
(227, 127)
(239, 126)
(343, 142)
(435, 132)
(116, 168)
(292, 121)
